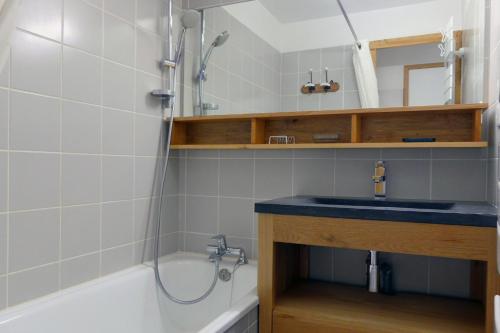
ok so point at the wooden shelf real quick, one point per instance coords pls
(451, 125)
(325, 307)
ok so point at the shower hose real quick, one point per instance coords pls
(159, 282)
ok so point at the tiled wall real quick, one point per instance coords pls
(491, 117)
(295, 73)
(219, 188)
(243, 74)
(79, 139)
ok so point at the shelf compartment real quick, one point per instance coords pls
(327, 307)
(452, 126)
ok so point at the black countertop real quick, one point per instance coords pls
(477, 214)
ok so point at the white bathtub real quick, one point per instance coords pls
(130, 302)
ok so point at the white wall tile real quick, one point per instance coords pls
(36, 64)
(117, 132)
(81, 76)
(118, 86)
(122, 8)
(82, 26)
(149, 48)
(119, 40)
(43, 18)
(81, 128)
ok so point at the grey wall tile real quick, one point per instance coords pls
(3, 244)
(81, 128)
(273, 178)
(313, 176)
(459, 180)
(440, 271)
(236, 217)
(201, 214)
(143, 251)
(80, 230)
(145, 218)
(351, 100)
(358, 154)
(290, 62)
(34, 180)
(170, 214)
(203, 176)
(321, 263)
(117, 223)
(3, 292)
(116, 259)
(148, 135)
(81, 76)
(350, 266)
(169, 244)
(458, 153)
(332, 57)
(118, 86)
(34, 128)
(145, 103)
(34, 283)
(34, 15)
(36, 64)
(236, 177)
(117, 132)
(410, 273)
(4, 118)
(309, 59)
(82, 26)
(405, 154)
(353, 178)
(147, 176)
(3, 181)
(74, 169)
(79, 270)
(119, 40)
(197, 242)
(34, 239)
(411, 179)
(5, 72)
(117, 179)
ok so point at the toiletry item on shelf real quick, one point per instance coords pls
(281, 139)
(326, 138)
(419, 139)
(373, 273)
(386, 286)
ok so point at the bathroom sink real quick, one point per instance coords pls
(383, 203)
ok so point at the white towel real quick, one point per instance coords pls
(8, 14)
(365, 76)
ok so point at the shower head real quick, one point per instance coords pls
(221, 39)
(190, 19)
(218, 41)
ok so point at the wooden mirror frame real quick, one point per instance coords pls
(422, 40)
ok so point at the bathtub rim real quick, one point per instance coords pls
(245, 304)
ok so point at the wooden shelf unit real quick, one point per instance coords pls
(320, 307)
(452, 125)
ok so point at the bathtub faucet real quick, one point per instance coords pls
(221, 249)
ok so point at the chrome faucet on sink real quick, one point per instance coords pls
(379, 179)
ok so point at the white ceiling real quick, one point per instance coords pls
(288, 11)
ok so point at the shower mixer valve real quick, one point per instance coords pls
(221, 249)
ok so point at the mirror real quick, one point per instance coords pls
(297, 55)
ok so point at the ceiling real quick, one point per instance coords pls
(288, 11)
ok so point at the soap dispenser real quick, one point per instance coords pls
(373, 273)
